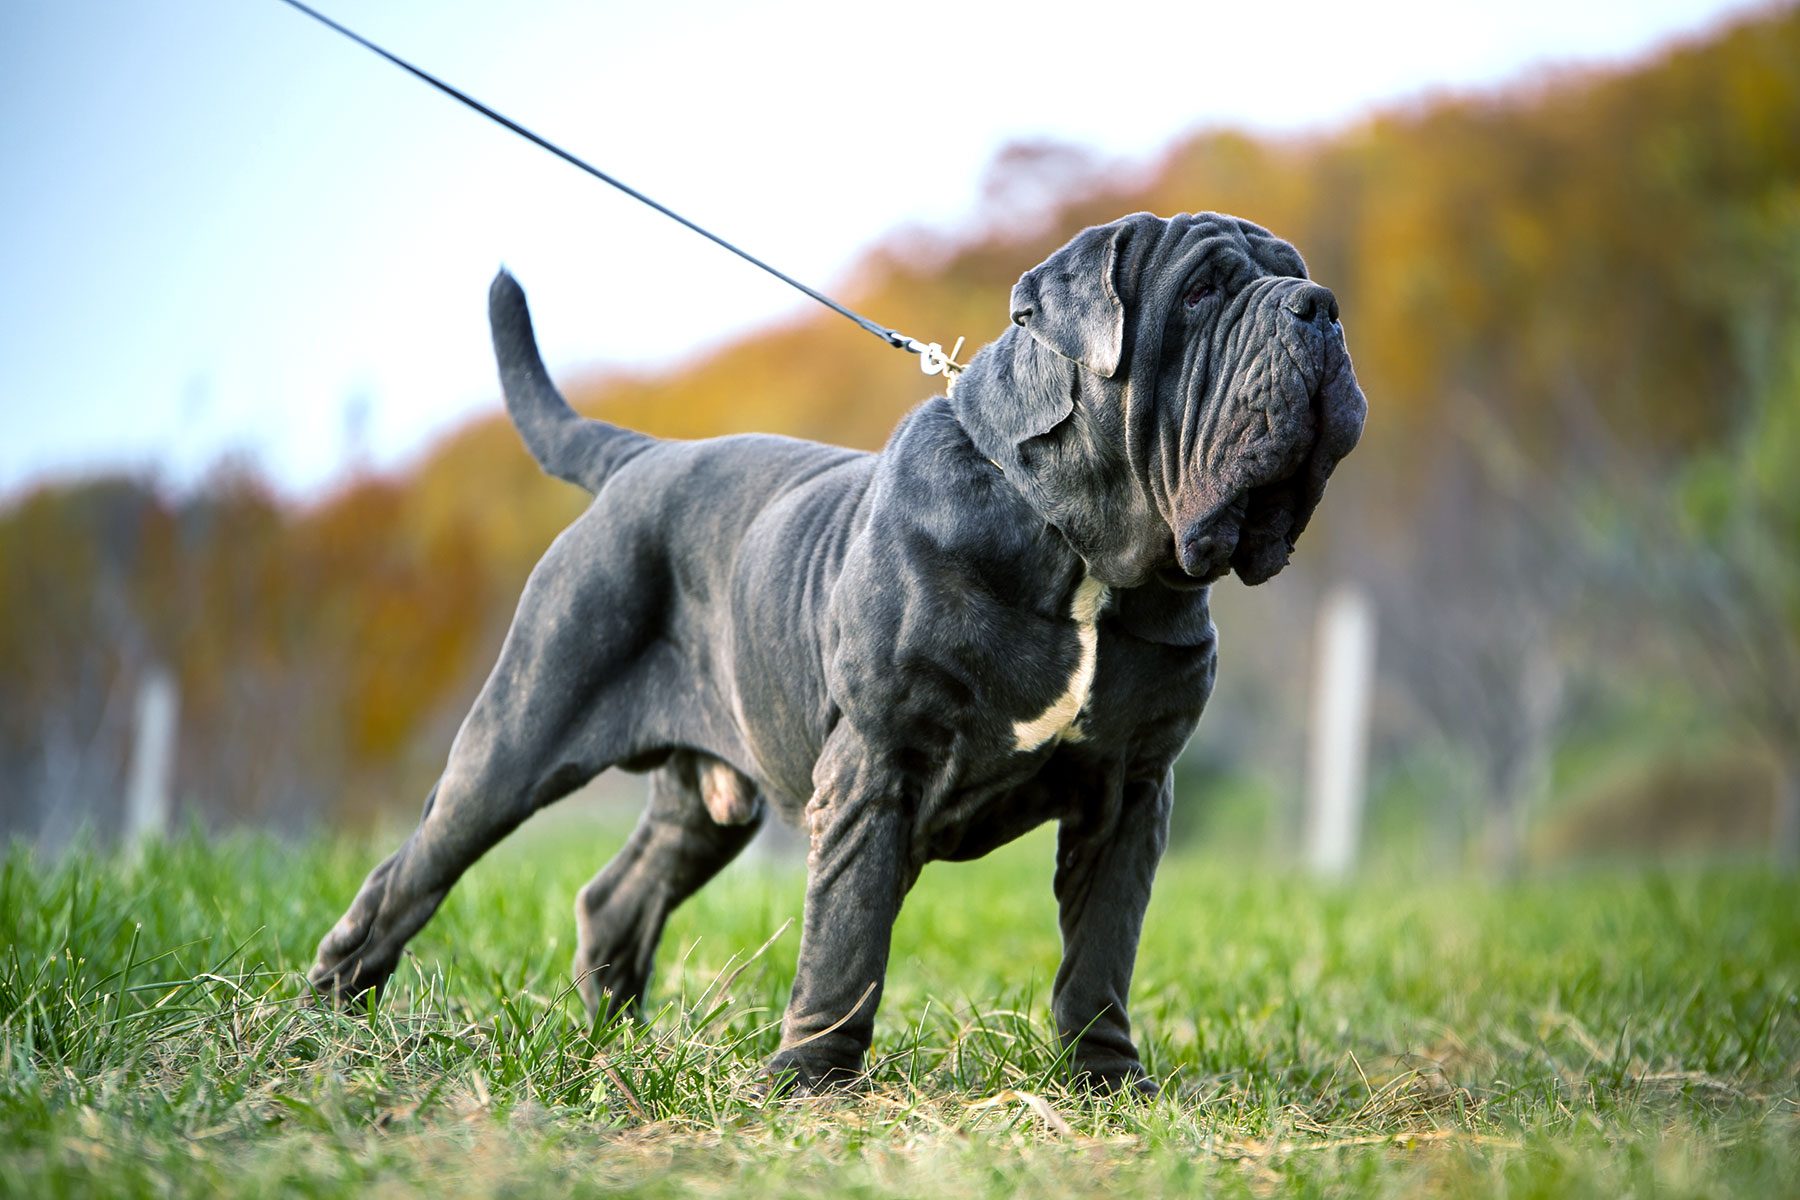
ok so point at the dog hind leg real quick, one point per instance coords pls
(552, 715)
(680, 843)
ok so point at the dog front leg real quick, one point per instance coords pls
(1102, 889)
(858, 872)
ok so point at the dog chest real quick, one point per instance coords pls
(1061, 718)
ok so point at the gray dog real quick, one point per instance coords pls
(999, 620)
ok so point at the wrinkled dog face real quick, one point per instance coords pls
(1173, 397)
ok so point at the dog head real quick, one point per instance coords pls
(1172, 396)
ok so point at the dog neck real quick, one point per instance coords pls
(985, 402)
(983, 393)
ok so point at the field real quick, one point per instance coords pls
(1614, 1031)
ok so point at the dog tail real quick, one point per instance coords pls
(565, 443)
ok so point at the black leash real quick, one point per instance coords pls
(932, 359)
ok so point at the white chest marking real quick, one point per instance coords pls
(1059, 721)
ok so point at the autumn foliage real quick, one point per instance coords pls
(1604, 243)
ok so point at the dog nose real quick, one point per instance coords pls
(1310, 299)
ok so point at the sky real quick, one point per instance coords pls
(231, 235)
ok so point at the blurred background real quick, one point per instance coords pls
(262, 523)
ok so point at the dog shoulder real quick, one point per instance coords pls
(939, 499)
(952, 567)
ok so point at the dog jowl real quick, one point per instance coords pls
(999, 620)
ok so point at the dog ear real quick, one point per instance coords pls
(1070, 302)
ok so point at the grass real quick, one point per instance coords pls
(1616, 1032)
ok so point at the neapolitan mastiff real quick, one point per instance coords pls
(999, 620)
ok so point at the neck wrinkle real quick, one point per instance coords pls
(1163, 477)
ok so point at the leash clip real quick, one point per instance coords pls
(933, 360)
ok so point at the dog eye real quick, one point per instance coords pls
(1197, 293)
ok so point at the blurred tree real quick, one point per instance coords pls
(1608, 250)
(1477, 614)
(1713, 544)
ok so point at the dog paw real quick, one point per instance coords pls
(342, 979)
(347, 965)
(796, 1075)
(1132, 1082)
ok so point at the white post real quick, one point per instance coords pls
(147, 806)
(1340, 730)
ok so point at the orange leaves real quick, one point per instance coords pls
(1602, 238)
